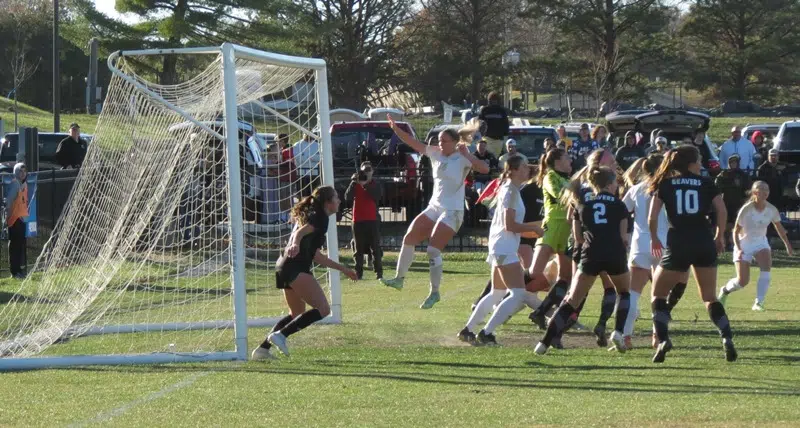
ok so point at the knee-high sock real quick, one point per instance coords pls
(623, 308)
(483, 308)
(675, 295)
(486, 290)
(731, 286)
(717, 313)
(435, 260)
(532, 300)
(405, 260)
(634, 309)
(558, 322)
(763, 285)
(661, 319)
(554, 297)
(574, 318)
(607, 306)
(505, 309)
(304, 320)
(277, 327)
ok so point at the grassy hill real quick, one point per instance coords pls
(33, 117)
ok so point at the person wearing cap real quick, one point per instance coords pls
(740, 146)
(71, 150)
(482, 153)
(762, 148)
(771, 172)
(630, 152)
(497, 125)
(16, 207)
(661, 145)
(733, 182)
(511, 150)
(582, 147)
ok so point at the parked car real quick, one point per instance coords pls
(530, 140)
(48, 144)
(395, 164)
(573, 129)
(674, 124)
(787, 142)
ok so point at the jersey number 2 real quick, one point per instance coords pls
(688, 201)
(599, 214)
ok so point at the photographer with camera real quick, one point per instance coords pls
(364, 193)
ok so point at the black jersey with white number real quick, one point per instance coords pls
(688, 201)
(308, 245)
(533, 199)
(601, 217)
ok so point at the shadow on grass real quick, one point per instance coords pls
(6, 297)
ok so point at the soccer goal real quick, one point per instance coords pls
(166, 249)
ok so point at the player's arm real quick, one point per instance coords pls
(652, 223)
(323, 260)
(722, 216)
(623, 231)
(737, 227)
(782, 233)
(293, 247)
(476, 164)
(408, 138)
(577, 234)
(514, 227)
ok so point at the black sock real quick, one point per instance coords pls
(574, 318)
(277, 327)
(623, 306)
(717, 313)
(607, 306)
(555, 328)
(675, 295)
(527, 278)
(486, 290)
(554, 297)
(304, 320)
(661, 319)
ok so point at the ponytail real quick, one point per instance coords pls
(302, 211)
(676, 161)
(548, 162)
(601, 177)
(512, 164)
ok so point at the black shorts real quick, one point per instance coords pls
(574, 251)
(611, 267)
(681, 254)
(528, 241)
(285, 275)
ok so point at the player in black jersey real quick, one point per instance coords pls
(293, 270)
(601, 229)
(688, 199)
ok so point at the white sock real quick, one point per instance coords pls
(732, 285)
(435, 260)
(484, 307)
(405, 260)
(763, 286)
(532, 300)
(505, 309)
(632, 313)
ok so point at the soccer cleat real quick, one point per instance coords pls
(556, 343)
(466, 336)
(540, 349)
(628, 343)
(396, 283)
(578, 327)
(486, 339)
(538, 318)
(262, 354)
(618, 342)
(279, 340)
(600, 333)
(758, 306)
(431, 300)
(722, 296)
(661, 351)
(730, 351)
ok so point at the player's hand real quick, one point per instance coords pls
(392, 123)
(462, 148)
(720, 243)
(292, 250)
(350, 274)
(656, 248)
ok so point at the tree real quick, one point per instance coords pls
(22, 60)
(743, 48)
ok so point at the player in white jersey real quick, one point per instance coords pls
(451, 161)
(504, 238)
(750, 243)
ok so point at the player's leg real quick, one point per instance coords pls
(306, 289)
(763, 259)
(621, 283)
(443, 232)
(639, 278)
(606, 309)
(663, 281)
(419, 230)
(706, 277)
(511, 275)
(566, 310)
(484, 306)
(296, 307)
(740, 281)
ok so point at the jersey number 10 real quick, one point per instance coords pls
(688, 201)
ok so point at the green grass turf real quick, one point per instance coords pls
(392, 364)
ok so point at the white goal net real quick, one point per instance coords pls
(166, 248)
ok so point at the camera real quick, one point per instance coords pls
(362, 176)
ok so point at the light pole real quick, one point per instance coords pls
(510, 60)
(56, 72)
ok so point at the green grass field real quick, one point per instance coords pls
(392, 364)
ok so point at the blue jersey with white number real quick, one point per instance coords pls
(601, 217)
(688, 200)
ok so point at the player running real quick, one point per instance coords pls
(750, 243)
(451, 161)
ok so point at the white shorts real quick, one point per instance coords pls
(747, 249)
(642, 260)
(502, 259)
(452, 218)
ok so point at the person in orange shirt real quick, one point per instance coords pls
(16, 204)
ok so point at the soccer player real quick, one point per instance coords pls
(508, 223)
(688, 199)
(750, 243)
(600, 228)
(293, 270)
(451, 161)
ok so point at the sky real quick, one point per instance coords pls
(107, 7)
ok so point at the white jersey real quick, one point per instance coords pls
(501, 241)
(754, 223)
(449, 173)
(638, 201)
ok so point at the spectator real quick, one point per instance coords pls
(485, 155)
(600, 134)
(654, 134)
(699, 141)
(733, 183)
(306, 159)
(16, 204)
(581, 148)
(288, 176)
(630, 152)
(365, 193)
(496, 118)
(661, 145)
(563, 140)
(271, 213)
(771, 173)
(549, 144)
(71, 150)
(738, 145)
(762, 149)
(511, 150)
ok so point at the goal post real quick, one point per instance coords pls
(165, 251)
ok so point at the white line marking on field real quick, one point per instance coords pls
(119, 411)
